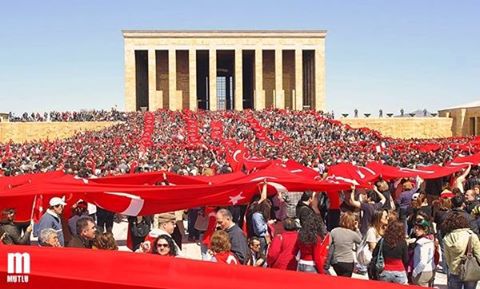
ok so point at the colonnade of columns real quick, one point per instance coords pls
(175, 99)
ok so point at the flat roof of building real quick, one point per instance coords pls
(466, 105)
(223, 33)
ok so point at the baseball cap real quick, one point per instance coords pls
(55, 201)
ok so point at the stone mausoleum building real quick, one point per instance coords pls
(466, 118)
(224, 70)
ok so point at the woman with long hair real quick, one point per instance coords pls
(342, 241)
(310, 245)
(164, 246)
(395, 254)
(458, 233)
(377, 228)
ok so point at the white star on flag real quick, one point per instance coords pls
(234, 200)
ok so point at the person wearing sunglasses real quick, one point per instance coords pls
(164, 246)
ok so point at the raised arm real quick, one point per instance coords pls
(380, 195)
(354, 202)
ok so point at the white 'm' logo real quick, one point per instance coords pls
(18, 267)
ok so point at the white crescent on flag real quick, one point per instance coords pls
(235, 154)
(135, 206)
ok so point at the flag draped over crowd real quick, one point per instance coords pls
(140, 194)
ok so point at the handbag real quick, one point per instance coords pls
(380, 261)
(469, 266)
(377, 264)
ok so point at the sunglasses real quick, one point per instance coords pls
(162, 246)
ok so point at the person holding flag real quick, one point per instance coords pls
(52, 219)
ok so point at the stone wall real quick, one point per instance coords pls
(412, 127)
(30, 131)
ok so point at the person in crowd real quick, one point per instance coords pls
(7, 223)
(419, 205)
(261, 220)
(460, 178)
(238, 241)
(307, 208)
(458, 204)
(384, 189)
(104, 220)
(424, 255)
(166, 226)
(79, 210)
(49, 238)
(139, 227)
(471, 200)
(342, 241)
(395, 253)
(87, 231)
(221, 249)
(52, 219)
(310, 241)
(284, 247)
(367, 206)
(404, 199)
(457, 235)
(377, 228)
(256, 257)
(164, 245)
(104, 241)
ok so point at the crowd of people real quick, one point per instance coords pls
(394, 232)
(304, 136)
(57, 116)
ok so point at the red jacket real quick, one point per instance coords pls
(283, 250)
(317, 253)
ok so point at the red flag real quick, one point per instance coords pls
(37, 208)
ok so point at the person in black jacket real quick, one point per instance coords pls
(237, 237)
(12, 233)
(307, 208)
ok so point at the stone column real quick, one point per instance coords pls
(153, 102)
(172, 80)
(192, 81)
(279, 93)
(259, 96)
(320, 78)
(238, 79)
(298, 97)
(212, 77)
(130, 93)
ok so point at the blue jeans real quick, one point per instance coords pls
(306, 268)
(399, 277)
(454, 282)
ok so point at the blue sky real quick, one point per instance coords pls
(64, 55)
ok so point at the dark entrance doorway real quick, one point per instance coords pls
(141, 79)
(248, 65)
